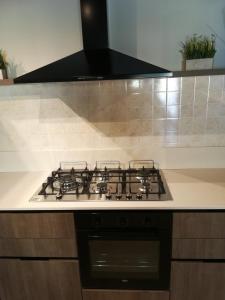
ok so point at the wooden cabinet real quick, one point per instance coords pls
(198, 280)
(124, 295)
(199, 225)
(37, 235)
(198, 235)
(37, 225)
(198, 248)
(40, 279)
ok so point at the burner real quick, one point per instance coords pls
(145, 188)
(102, 187)
(107, 181)
(145, 184)
(67, 183)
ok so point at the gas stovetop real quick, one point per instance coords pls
(107, 181)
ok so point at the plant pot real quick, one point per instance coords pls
(199, 64)
(3, 74)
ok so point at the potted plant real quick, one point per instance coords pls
(3, 65)
(198, 52)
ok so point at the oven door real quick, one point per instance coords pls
(125, 260)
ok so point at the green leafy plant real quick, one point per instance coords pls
(199, 46)
(3, 60)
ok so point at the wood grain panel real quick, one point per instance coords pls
(198, 249)
(124, 295)
(197, 280)
(11, 281)
(37, 225)
(45, 280)
(38, 248)
(199, 225)
(6, 81)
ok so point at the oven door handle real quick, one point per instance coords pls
(109, 235)
(94, 236)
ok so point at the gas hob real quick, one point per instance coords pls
(107, 181)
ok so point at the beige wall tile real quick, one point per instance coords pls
(159, 127)
(221, 125)
(160, 99)
(186, 111)
(188, 84)
(199, 126)
(217, 82)
(171, 139)
(139, 128)
(216, 95)
(172, 125)
(185, 126)
(160, 85)
(173, 98)
(107, 119)
(187, 98)
(201, 97)
(173, 111)
(202, 83)
(216, 110)
(159, 112)
(173, 84)
(212, 126)
(200, 110)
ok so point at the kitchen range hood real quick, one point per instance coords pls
(97, 61)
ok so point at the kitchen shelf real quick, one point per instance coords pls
(6, 81)
(198, 73)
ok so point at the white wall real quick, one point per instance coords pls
(153, 29)
(35, 33)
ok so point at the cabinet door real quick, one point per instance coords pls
(198, 249)
(198, 280)
(45, 280)
(198, 235)
(124, 295)
(207, 225)
(37, 225)
(37, 235)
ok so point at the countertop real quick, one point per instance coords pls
(191, 189)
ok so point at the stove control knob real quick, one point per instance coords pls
(59, 196)
(97, 221)
(129, 197)
(108, 196)
(139, 196)
(118, 197)
(123, 222)
(148, 221)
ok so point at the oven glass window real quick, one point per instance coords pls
(125, 259)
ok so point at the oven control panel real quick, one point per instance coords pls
(128, 219)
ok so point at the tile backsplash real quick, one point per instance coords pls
(170, 120)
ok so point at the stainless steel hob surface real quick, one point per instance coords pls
(106, 181)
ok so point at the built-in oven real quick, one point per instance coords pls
(124, 249)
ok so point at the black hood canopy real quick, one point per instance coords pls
(97, 61)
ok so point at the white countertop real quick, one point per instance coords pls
(190, 189)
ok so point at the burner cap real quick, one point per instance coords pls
(67, 182)
(102, 186)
